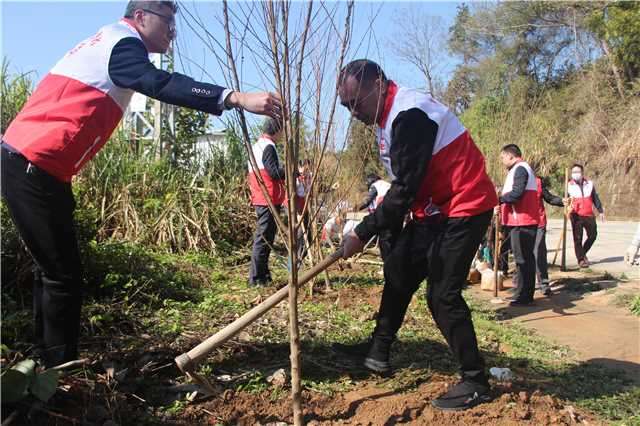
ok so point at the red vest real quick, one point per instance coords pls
(275, 188)
(581, 202)
(456, 183)
(525, 211)
(75, 108)
(542, 214)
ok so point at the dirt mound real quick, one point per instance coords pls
(372, 405)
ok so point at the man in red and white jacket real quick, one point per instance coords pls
(273, 176)
(439, 178)
(583, 198)
(68, 118)
(519, 212)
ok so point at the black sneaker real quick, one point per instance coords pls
(355, 350)
(377, 359)
(462, 396)
(261, 282)
(520, 303)
(373, 354)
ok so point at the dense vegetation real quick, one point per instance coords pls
(159, 232)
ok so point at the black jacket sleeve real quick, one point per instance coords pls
(554, 200)
(373, 193)
(129, 67)
(271, 163)
(596, 201)
(519, 185)
(413, 136)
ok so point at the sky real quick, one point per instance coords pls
(36, 34)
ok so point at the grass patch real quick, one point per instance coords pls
(167, 297)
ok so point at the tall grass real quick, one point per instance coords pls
(150, 201)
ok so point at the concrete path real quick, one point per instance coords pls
(606, 255)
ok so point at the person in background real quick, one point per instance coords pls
(540, 246)
(582, 200)
(519, 210)
(377, 190)
(332, 230)
(633, 249)
(65, 122)
(273, 176)
(303, 184)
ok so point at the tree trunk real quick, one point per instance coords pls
(614, 68)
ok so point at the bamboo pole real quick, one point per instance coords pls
(496, 259)
(188, 361)
(563, 265)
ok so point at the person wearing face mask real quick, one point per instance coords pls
(67, 119)
(582, 200)
(519, 211)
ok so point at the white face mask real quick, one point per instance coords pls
(576, 176)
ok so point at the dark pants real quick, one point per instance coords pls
(305, 239)
(578, 224)
(442, 252)
(42, 210)
(262, 243)
(540, 252)
(523, 239)
(505, 248)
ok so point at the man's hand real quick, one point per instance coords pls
(496, 210)
(351, 244)
(602, 217)
(263, 103)
(566, 201)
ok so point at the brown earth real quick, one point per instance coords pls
(150, 379)
(588, 322)
(370, 405)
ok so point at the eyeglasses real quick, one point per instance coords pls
(169, 20)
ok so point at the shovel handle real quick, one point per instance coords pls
(189, 360)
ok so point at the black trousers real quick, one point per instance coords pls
(540, 252)
(262, 243)
(523, 239)
(505, 248)
(578, 224)
(42, 209)
(441, 252)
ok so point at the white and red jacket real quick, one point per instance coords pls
(435, 165)
(77, 106)
(544, 195)
(542, 213)
(265, 154)
(456, 183)
(381, 187)
(583, 197)
(525, 210)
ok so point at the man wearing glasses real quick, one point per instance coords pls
(440, 183)
(68, 118)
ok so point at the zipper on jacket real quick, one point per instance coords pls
(95, 142)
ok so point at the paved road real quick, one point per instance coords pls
(607, 254)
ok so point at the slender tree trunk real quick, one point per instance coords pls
(614, 68)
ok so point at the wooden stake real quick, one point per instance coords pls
(496, 260)
(563, 265)
(189, 360)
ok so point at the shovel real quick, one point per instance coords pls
(188, 361)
